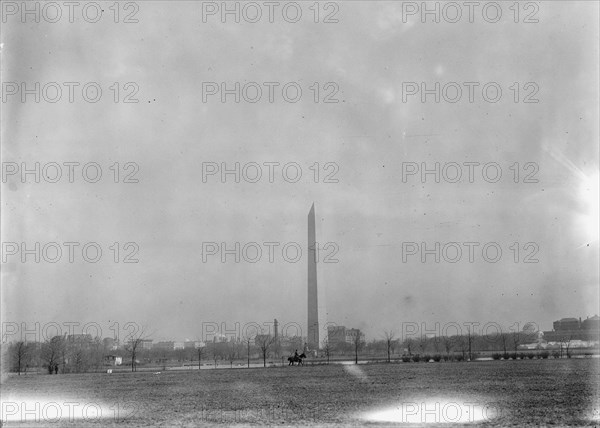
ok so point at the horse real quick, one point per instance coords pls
(297, 359)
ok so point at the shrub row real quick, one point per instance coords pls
(496, 356)
(426, 358)
(523, 355)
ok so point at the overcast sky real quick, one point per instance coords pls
(368, 214)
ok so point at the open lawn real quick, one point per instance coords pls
(523, 392)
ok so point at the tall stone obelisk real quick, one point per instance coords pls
(313, 308)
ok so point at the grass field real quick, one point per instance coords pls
(495, 393)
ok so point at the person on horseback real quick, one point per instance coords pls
(297, 358)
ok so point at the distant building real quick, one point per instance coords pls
(164, 345)
(340, 334)
(146, 343)
(573, 329)
(592, 323)
(353, 333)
(110, 343)
(220, 338)
(291, 343)
(80, 338)
(178, 345)
(193, 344)
(336, 335)
(530, 346)
(79, 341)
(140, 344)
(113, 360)
(566, 324)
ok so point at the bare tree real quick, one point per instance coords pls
(357, 342)
(78, 360)
(20, 353)
(565, 342)
(96, 354)
(516, 340)
(216, 353)
(464, 346)
(52, 351)
(232, 352)
(248, 339)
(81, 352)
(200, 350)
(389, 342)
(134, 346)
(447, 344)
(504, 340)
(264, 343)
(162, 357)
(276, 347)
(188, 354)
(470, 339)
(568, 347)
(421, 344)
(326, 348)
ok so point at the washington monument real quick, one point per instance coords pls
(313, 311)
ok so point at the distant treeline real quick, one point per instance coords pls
(65, 354)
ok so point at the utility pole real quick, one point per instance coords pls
(248, 352)
(470, 357)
